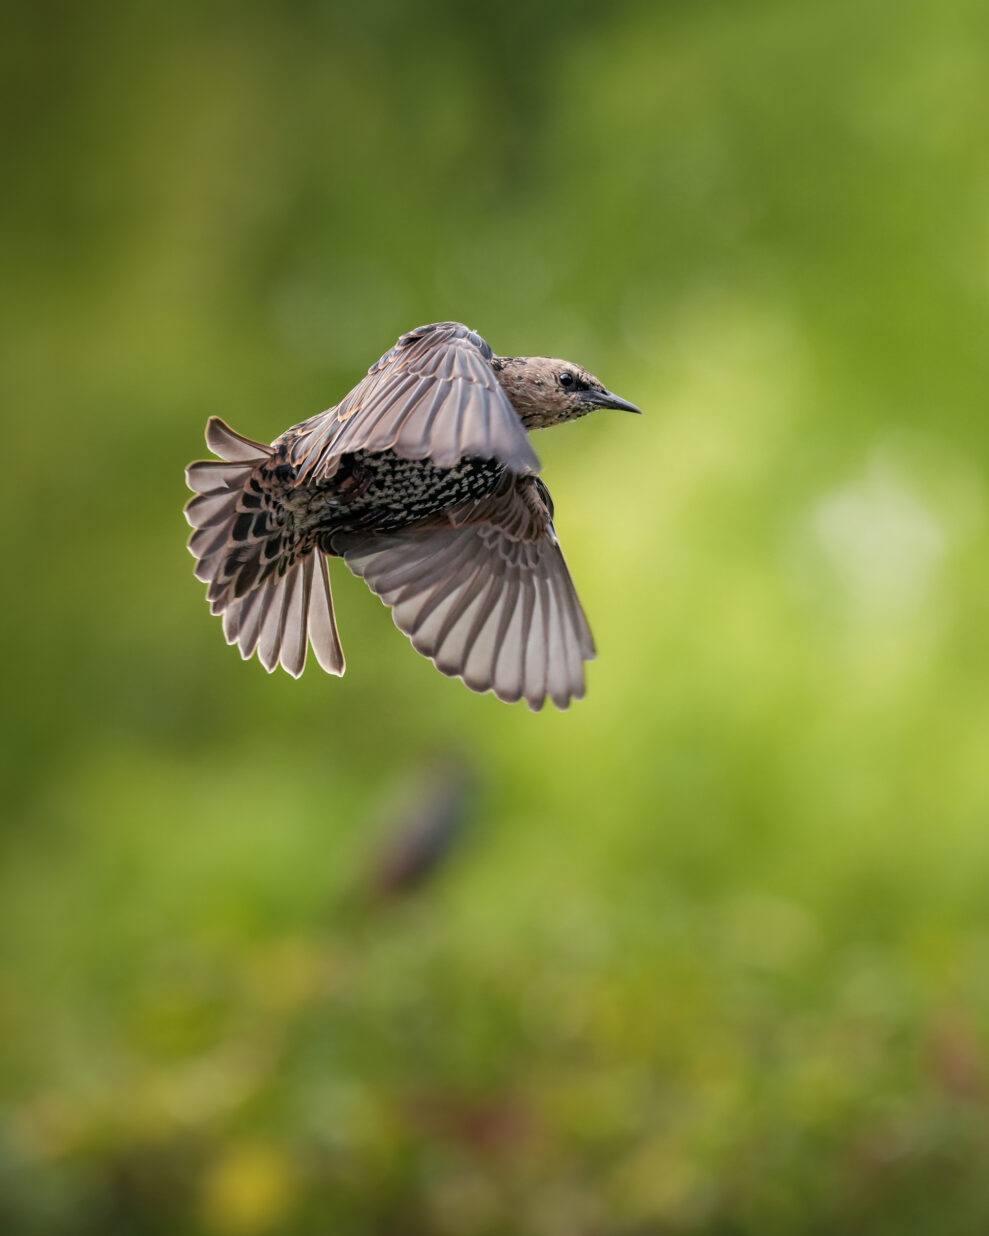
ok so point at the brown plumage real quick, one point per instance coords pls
(424, 481)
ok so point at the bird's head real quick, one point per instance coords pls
(546, 391)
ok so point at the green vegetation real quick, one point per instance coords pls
(712, 955)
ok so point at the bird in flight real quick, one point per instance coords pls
(423, 480)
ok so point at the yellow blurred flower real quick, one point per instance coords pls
(249, 1189)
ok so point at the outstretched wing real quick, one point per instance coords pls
(485, 594)
(433, 396)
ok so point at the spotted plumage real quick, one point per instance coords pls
(387, 492)
(423, 480)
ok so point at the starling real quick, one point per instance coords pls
(424, 482)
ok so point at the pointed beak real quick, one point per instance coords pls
(605, 399)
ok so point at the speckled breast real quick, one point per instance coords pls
(384, 492)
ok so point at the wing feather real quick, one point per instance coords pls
(435, 395)
(485, 594)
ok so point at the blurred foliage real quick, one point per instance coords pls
(713, 954)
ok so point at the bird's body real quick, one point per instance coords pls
(423, 480)
(381, 491)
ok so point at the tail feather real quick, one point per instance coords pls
(230, 445)
(273, 623)
(244, 622)
(211, 505)
(273, 603)
(322, 626)
(294, 642)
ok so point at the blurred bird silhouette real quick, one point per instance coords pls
(423, 480)
(423, 827)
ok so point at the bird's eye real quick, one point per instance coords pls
(566, 379)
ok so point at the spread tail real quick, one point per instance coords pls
(274, 602)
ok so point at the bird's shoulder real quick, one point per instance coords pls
(422, 341)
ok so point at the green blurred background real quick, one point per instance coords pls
(711, 950)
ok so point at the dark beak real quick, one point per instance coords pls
(605, 399)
